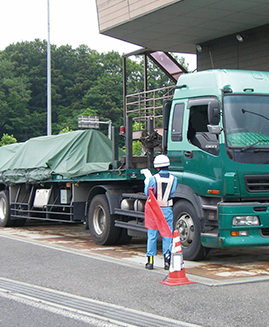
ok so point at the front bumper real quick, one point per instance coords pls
(257, 235)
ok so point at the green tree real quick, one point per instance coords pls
(65, 130)
(7, 139)
(14, 98)
(136, 145)
(83, 82)
(105, 96)
(29, 62)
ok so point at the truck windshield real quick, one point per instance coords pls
(246, 125)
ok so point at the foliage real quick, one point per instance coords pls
(83, 82)
(65, 130)
(7, 139)
(137, 148)
(136, 145)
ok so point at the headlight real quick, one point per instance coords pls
(246, 221)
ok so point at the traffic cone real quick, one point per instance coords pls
(176, 274)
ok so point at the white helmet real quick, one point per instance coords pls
(161, 161)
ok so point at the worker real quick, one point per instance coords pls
(164, 185)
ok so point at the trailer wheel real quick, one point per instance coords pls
(189, 228)
(19, 222)
(101, 222)
(5, 220)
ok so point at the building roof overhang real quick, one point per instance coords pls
(180, 26)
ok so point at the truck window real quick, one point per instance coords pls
(198, 133)
(246, 122)
(177, 122)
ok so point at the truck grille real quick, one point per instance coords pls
(257, 183)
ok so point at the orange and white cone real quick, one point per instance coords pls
(176, 274)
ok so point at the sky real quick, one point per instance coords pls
(72, 22)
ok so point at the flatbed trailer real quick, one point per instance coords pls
(94, 198)
(91, 199)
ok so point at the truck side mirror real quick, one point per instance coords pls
(213, 112)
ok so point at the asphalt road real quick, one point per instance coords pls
(22, 312)
(106, 282)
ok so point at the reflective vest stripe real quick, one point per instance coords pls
(163, 198)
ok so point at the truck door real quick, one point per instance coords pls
(202, 166)
(193, 151)
(194, 157)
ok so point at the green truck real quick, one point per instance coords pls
(215, 132)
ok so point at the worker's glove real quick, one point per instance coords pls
(146, 181)
(147, 174)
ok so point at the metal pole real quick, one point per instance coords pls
(146, 104)
(129, 142)
(48, 78)
(109, 129)
(150, 154)
(115, 149)
(124, 88)
(145, 73)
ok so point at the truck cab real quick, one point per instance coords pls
(217, 138)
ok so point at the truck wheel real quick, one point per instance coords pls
(19, 222)
(124, 238)
(189, 228)
(5, 220)
(101, 222)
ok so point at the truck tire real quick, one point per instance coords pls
(101, 222)
(5, 220)
(123, 238)
(189, 228)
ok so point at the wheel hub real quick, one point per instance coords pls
(3, 209)
(99, 220)
(185, 228)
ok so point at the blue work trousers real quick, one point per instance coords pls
(153, 235)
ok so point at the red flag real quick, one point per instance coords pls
(154, 218)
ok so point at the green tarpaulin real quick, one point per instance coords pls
(7, 151)
(70, 154)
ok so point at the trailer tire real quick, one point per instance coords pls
(5, 220)
(101, 222)
(189, 226)
(19, 222)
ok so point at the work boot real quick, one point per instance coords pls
(149, 264)
(167, 259)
